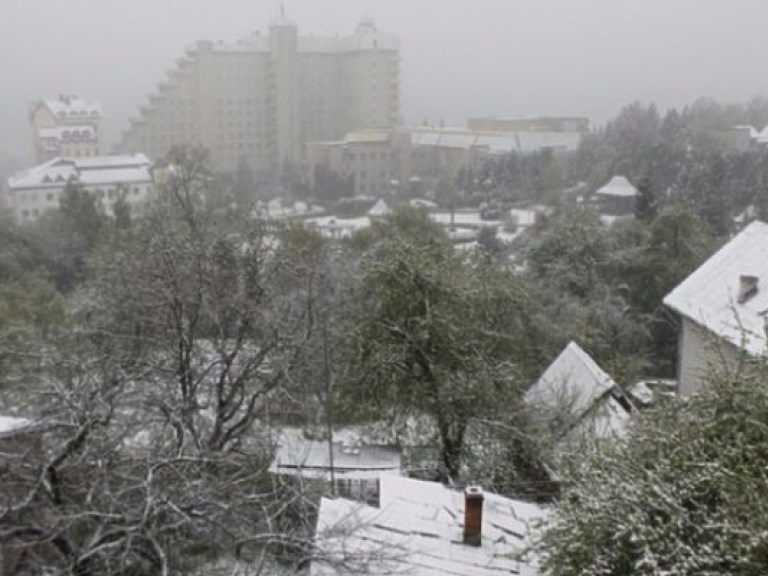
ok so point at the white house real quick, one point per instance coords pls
(724, 307)
(577, 401)
(39, 189)
(426, 529)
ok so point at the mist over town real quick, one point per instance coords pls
(368, 287)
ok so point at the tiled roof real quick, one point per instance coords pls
(417, 530)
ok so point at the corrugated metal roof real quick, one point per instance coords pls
(311, 458)
(710, 296)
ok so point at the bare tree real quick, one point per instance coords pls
(153, 455)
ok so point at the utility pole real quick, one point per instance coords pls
(328, 401)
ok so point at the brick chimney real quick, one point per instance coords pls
(747, 287)
(473, 515)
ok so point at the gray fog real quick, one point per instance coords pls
(460, 58)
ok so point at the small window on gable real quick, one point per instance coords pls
(47, 179)
(59, 178)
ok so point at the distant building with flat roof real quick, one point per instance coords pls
(380, 162)
(523, 124)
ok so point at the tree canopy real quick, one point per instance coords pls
(436, 331)
(682, 495)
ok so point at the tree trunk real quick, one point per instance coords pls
(451, 447)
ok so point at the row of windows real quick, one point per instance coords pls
(79, 152)
(75, 113)
(50, 197)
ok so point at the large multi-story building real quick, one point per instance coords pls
(34, 191)
(65, 126)
(262, 98)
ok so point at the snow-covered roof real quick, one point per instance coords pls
(618, 186)
(94, 170)
(311, 458)
(463, 218)
(339, 227)
(379, 209)
(73, 107)
(762, 136)
(8, 423)
(496, 142)
(573, 381)
(710, 295)
(523, 217)
(276, 210)
(417, 530)
(422, 203)
(580, 402)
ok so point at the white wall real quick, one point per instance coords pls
(701, 352)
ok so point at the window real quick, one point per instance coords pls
(49, 197)
(25, 213)
(136, 191)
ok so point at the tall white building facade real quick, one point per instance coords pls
(262, 98)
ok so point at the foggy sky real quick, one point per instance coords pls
(460, 58)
